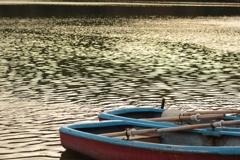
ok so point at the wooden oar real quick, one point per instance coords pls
(210, 112)
(196, 117)
(133, 131)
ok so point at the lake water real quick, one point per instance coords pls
(57, 71)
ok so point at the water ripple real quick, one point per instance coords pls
(59, 71)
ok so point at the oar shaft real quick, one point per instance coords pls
(191, 117)
(170, 129)
(133, 132)
(184, 127)
(235, 122)
(211, 112)
(116, 134)
(181, 128)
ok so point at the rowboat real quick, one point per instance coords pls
(108, 140)
(150, 115)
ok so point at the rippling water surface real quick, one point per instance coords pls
(60, 71)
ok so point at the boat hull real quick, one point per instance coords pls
(105, 151)
(106, 148)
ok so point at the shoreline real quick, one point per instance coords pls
(138, 3)
(105, 9)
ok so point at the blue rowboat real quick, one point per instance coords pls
(142, 114)
(92, 139)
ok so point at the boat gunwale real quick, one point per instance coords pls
(112, 114)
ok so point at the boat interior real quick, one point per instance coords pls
(172, 138)
(153, 114)
(141, 115)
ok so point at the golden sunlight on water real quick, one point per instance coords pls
(61, 71)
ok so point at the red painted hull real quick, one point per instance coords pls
(105, 151)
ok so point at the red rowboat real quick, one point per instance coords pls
(101, 140)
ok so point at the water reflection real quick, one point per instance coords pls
(71, 155)
(68, 70)
(79, 60)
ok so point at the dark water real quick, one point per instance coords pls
(57, 71)
(112, 9)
